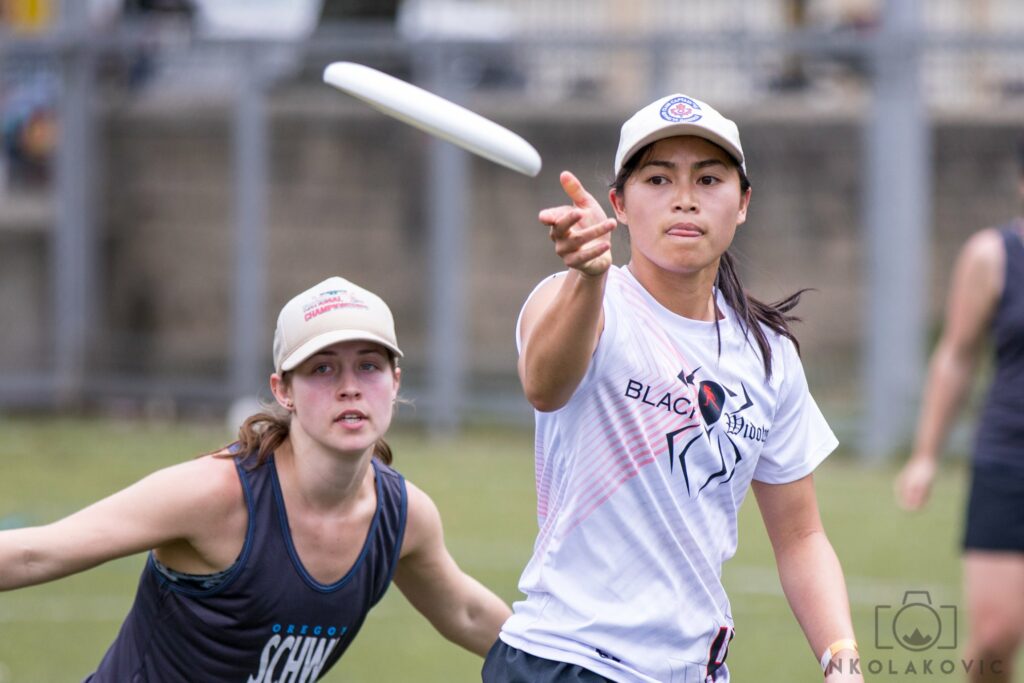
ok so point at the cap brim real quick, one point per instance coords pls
(682, 129)
(328, 338)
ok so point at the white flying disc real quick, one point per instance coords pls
(435, 115)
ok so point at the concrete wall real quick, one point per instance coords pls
(347, 197)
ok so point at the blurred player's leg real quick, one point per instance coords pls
(994, 588)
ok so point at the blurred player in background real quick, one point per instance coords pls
(986, 301)
(662, 393)
(267, 555)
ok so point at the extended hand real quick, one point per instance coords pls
(581, 232)
(914, 483)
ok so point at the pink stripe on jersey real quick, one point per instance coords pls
(542, 479)
(632, 293)
(623, 476)
(615, 455)
(625, 446)
(630, 451)
(616, 451)
(611, 480)
(608, 442)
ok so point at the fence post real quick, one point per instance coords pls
(897, 215)
(249, 330)
(448, 201)
(73, 262)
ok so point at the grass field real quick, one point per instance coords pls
(482, 482)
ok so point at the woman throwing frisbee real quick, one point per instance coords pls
(662, 393)
(267, 555)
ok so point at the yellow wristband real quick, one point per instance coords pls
(831, 650)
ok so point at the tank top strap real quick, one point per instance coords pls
(256, 481)
(391, 519)
(258, 491)
(1013, 244)
(1013, 240)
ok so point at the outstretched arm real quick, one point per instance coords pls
(977, 284)
(563, 320)
(809, 571)
(168, 506)
(461, 608)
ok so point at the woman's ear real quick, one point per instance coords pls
(282, 391)
(741, 215)
(619, 205)
(398, 383)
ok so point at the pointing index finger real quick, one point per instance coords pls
(575, 190)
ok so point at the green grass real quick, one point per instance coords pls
(483, 484)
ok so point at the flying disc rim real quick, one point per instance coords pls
(434, 115)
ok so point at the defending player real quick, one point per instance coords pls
(661, 392)
(267, 555)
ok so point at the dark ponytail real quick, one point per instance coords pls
(751, 313)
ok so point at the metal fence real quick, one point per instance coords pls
(904, 62)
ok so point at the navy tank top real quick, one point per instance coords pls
(1000, 438)
(268, 620)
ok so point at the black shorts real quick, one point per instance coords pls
(506, 664)
(995, 509)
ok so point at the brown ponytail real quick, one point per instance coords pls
(382, 451)
(262, 433)
(752, 313)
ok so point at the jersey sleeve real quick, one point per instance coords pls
(609, 319)
(519, 318)
(800, 437)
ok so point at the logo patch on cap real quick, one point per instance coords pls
(331, 300)
(681, 110)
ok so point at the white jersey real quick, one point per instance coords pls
(639, 480)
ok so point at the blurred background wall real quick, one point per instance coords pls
(173, 171)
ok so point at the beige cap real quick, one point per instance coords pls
(677, 115)
(333, 311)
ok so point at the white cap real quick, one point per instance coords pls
(333, 311)
(677, 115)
